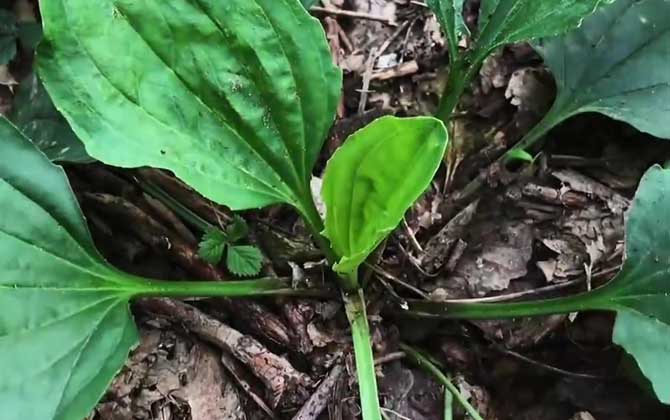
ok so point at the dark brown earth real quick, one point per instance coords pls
(549, 229)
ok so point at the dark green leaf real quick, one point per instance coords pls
(244, 260)
(8, 36)
(373, 179)
(30, 34)
(615, 64)
(309, 3)
(65, 327)
(641, 291)
(237, 230)
(508, 21)
(235, 97)
(35, 115)
(213, 244)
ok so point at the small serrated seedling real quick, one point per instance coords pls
(241, 260)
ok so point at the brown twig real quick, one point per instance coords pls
(288, 387)
(164, 242)
(321, 397)
(242, 377)
(352, 14)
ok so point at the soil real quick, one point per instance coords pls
(552, 228)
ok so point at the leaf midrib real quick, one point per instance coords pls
(269, 192)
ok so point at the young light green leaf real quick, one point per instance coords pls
(450, 15)
(244, 260)
(615, 64)
(35, 115)
(507, 21)
(65, 327)
(373, 179)
(229, 95)
(519, 155)
(212, 245)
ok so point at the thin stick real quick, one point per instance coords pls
(352, 14)
(545, 366)
(321, 397)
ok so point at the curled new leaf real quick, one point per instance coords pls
(374, 178)
(615, 64)
(235, 96)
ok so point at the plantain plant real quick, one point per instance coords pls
(236, 97)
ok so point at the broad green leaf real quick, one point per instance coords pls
(373, 179)
(507, 21)
(65, 327)
(641, 291)
(615, 64)
(213, 244)
(35, 115)
(235, 97)
(8, 36)
(244, 260)
(450, 15)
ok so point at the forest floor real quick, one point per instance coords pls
(549, 229)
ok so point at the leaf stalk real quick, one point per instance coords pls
(354, 304)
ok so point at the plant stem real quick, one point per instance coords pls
(550, 120)
(182, 289)
(460, 76)
(426, 364)
(314, 222)
(448, 405)
(182, 211)
(365, 363)
(582, 302)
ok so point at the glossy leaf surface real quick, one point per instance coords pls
(615, 64)
(373, 179)
(235, 97)
(65, 327)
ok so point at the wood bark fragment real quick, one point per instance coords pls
(287, 387)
